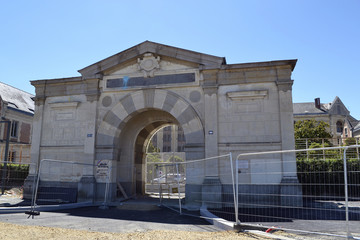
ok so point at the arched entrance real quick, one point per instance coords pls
(136, 134)
(126, 129)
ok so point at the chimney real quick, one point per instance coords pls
(317, 103)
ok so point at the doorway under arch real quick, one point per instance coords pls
(165, 168)
(132, 148)
(126, 129)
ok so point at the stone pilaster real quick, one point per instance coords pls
(287, 128)
(211, 129)
(211, 187)
(290, 190)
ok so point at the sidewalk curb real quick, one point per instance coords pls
(216, 221)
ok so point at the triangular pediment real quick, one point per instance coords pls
(128, 57)
(147, 62)
(337, 107)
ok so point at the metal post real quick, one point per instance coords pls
(36, 187)
(234, 189)
(178, 181)
(4, 171)
(107, 186)
(346, 194)
(307, 152)
(323, 145)
(33, 188)
(234, 192)
(357, 148)
(237, 189)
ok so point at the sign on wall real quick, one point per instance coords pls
(103, 169)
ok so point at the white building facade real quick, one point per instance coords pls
(114, 108)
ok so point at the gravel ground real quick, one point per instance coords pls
(15, 232)
(132, 220)
(129, 221)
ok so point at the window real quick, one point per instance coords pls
(180, 148)
(14, 129)
(166, 148)
(181, 136)
(167, 138)
(339, 127)
(346, 132)
(11, 156)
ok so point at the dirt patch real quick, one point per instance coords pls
(14, 193)
(15, 232)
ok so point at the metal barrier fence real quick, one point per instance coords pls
(320, 194)
(12, 177)
(198, 184)
(165, 175)
(61, 182)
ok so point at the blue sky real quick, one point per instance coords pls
(53, 39)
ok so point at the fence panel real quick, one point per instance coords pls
(208, 185)
(12, 178)
(61, 182)
(315, 194)
(166, 178)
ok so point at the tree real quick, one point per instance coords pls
(314, 131)
(311, 129)
(152, 149)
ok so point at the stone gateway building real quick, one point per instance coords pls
(113, 109)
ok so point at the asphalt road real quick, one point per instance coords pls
(144, 215)
(128, 217)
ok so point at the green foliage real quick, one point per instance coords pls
(350, 141)
(326, 177)
(153, 157)
(151, 148)
(319, 154)
(15, 173)
(351, 152)
(311, 129)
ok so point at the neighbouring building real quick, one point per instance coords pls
(342, 124)
(17, 107)
(169, 139)
(112, 110)
(356, 131)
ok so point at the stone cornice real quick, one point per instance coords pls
(210, 89)
(291, 63)
(285, 86)
(39, 101)
(66, 86)
(55, 81)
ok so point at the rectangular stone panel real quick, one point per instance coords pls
(156, 80)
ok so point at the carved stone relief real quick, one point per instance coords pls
(148, 64)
